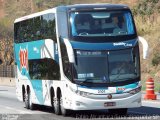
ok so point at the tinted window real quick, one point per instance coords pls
(46, 69)
(107, 66)
(91, 65)
(48, 29)
(102, 23)
(123, 64)
(16, 32)
(38, 28)
(65, 60)
(23, 31)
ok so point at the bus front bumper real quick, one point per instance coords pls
(77, 102)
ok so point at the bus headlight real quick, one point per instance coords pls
(136, 90)
(81, 93)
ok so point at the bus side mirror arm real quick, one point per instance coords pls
(145, 47)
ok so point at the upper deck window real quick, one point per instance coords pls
(101, 23)
(36, 28)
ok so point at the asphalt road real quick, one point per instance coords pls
(12, 109)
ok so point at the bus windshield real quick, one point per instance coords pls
(106, 66)
(101, 23)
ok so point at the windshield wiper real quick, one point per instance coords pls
(124, 79)
(119, 72)
(87, 80)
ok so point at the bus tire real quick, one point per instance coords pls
(31, 105)
(26, 100)
(57, 106)
(120, 111)
(64, 111)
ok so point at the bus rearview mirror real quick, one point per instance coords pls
(145, 46)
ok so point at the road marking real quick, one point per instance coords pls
(19, 111)
(4, 90)
(12, 110)
(15, 110)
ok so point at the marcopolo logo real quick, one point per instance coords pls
(23, 55)
(122, 44)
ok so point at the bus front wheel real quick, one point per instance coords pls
(64, 111)
(57, 106)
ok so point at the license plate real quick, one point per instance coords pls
(108, 104)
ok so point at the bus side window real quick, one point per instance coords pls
(37, 26)
(48, 27)
(23, 33)
(46, 69)
(51, 26)
(17, 32)
(44, 25)
(29, 30)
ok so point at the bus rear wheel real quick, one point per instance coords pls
(28, 102)
(121, 111)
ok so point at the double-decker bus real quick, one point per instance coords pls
(78, 57)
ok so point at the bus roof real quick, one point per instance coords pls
(77, 7)
(34, 15)
(97, 6)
